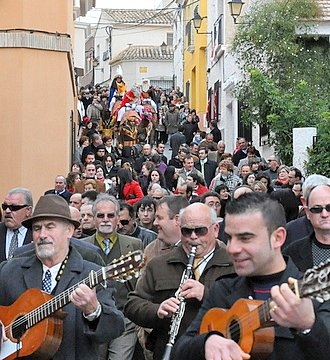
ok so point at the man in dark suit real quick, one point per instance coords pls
(16, 207)
(176, 140)
(55, 268)
(106, 215)
(60, 188)
(242, 152)
(205, 166)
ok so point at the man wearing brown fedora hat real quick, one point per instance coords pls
(91, 317)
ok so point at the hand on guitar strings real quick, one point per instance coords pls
(192, 289)
(168, 307)
(220, 348)
(288, 310)
(85, 299)
(2, 332)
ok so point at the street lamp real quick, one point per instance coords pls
(197, 21)
(163, 47)
(235, 9)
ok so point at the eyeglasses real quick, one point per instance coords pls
(102, 216)
(199, 231)
(13, 207)
(157, 197)
(124, 222)
(318, 209)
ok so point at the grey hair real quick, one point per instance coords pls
(212, 213)
(26, 193)
(106, 198)
(311, 183)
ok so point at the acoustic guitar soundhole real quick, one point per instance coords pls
(235, 331)
(19, 327)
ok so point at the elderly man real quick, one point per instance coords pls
(113, 245)
(60, 188)
(55, 267)
(154, 300)
(16, 207)
(314, 248)
(255, 225)
(75, 200)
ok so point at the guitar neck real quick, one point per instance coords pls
(264, 309)
(59, 301)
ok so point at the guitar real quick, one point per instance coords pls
(35, 319)
(248, 322)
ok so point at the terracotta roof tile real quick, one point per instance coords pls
(140, 16)
(136, 52)
(325, 7)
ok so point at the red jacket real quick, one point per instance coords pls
(132, 192)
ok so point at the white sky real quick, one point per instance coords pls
(127, 4)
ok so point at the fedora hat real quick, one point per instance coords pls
(52, 206)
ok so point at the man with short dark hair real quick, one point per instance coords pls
(188, 168)
(242, 152)
(160, 148)
(127, 225)
(177, 139)
(206, 166)
(255, 225)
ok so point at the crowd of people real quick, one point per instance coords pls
(248, 226)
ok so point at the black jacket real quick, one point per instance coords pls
(288, 345)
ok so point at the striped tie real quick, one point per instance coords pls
(13, 244)
(107, 247)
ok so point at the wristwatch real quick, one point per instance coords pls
(95, 314)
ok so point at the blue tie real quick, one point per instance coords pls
(47, 282)
(107, 248)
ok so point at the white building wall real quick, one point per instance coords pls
(302, 139)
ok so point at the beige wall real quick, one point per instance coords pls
(37, 97)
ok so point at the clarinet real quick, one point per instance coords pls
(178, 315)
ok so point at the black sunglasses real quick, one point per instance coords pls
(318, 209)
(124, 222)
(199, 231)
(109, 215)
(13, 207)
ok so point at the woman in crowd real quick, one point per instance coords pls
(258, 186)
(265, 179)
(71, 180)
(77, 167)
(171, 178)
(226, 176)
(197, 183)
(147, 167)
(282, 180)
(223, 191)
(156, 177)
(129, 190)
(83, 142)
(90, 184)
(249, 179)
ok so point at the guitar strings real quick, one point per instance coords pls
(245, 319)
(48, 305)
